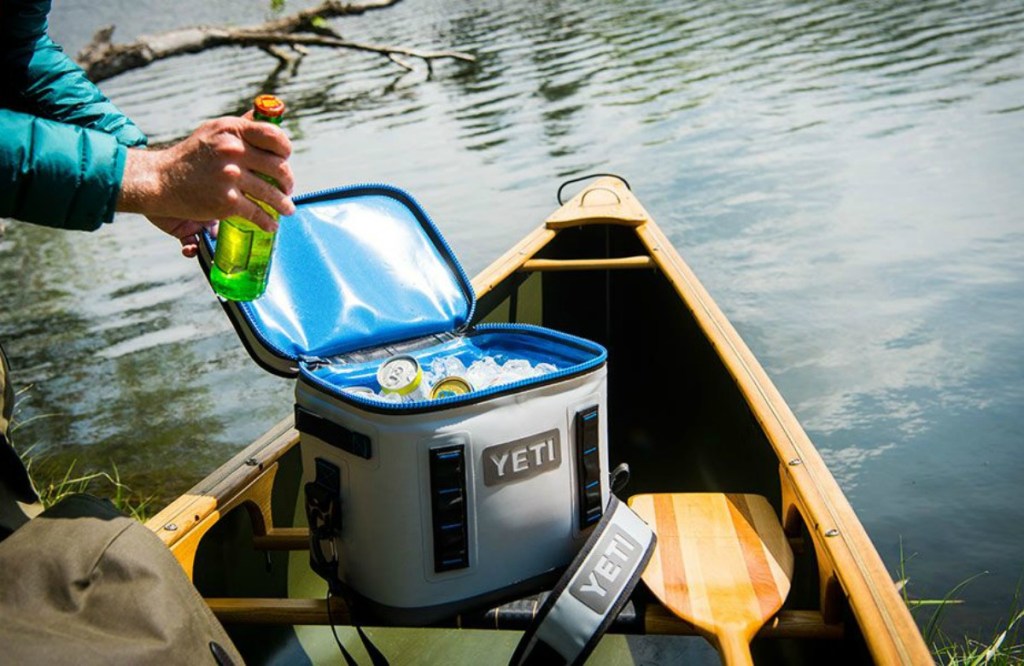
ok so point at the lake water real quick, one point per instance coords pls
(845, 179)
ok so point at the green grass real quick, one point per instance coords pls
(54, 485)
(54, 488)
(1005, 648)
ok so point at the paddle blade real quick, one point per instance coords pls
(722, 561)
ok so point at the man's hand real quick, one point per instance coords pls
(186, 231)
(206, 177)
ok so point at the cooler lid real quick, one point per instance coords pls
(354, 268)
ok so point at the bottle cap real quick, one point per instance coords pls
(268, 105)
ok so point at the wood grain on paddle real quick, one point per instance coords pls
(722, 563)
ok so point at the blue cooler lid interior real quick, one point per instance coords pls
(356, 268)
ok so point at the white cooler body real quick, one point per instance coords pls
(463, 505)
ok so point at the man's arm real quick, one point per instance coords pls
(65, 176)
(63, 160)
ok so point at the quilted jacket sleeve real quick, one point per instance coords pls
(62, 144)
(56, 174)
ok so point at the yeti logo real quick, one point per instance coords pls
(522, 459)
(606, 570)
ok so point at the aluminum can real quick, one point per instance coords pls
(449, 387)
(400, 374)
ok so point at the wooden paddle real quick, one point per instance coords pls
(722, 563)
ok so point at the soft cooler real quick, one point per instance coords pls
(422, 509)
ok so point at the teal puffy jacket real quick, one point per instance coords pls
(62, 142)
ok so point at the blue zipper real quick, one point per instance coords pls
(478, 396)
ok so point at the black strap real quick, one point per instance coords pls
(323, 513)
(591, 592)
(377, 657)
(587, 177)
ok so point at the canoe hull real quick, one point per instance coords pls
(690, 410)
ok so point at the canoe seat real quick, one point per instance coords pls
(722, 560)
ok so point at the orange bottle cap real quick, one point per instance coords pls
(269, 106)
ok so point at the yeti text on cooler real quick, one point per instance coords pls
(521, 459)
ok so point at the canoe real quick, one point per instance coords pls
(690, 410)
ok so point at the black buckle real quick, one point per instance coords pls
(323, 512)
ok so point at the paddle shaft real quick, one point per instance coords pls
(734, 647)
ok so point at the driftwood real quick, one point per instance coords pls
(102, 59)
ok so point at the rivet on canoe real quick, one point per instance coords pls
(171, 527)
(795, 461)
(832, 532)
(252, 462)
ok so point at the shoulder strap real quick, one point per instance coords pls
(591, 592)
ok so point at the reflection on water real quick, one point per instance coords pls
(844, 178)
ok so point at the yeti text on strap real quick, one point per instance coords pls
(607, 569)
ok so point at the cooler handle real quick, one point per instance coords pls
(333, 434)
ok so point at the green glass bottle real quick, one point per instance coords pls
(241, 261)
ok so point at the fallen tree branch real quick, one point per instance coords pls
(102, 59)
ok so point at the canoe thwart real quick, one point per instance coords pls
(297, 538)
(282, 538)
(276, 610)
(533, 265)
(650, 618)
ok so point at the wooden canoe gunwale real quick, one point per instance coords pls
(840, 542)
(244, 480)
(851, 571)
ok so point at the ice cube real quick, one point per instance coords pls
(517, 368)
(482, 372)
(454, 367)
(446, 366)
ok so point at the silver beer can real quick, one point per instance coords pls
(400, 374)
